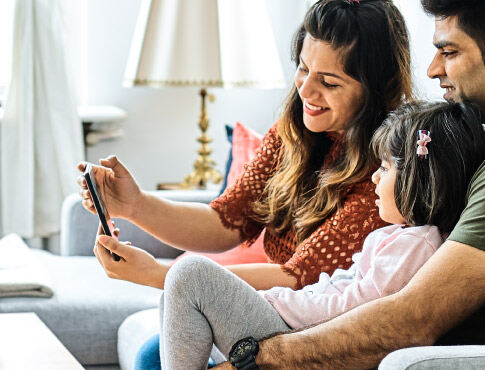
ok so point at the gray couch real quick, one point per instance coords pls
(103, 322)
(88, 308)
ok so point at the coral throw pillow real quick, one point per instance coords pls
(245, 142)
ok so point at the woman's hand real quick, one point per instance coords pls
(135, 265)
(115, 185)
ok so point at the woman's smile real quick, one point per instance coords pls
(314, 110)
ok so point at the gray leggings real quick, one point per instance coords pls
(205, 304)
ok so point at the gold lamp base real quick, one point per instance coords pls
(204, 170)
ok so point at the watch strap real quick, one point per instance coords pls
(248, 363)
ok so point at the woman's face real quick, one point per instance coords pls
(330, 97)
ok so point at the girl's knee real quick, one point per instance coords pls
(188, 272)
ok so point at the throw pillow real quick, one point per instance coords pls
(229, 131)
(245, 142)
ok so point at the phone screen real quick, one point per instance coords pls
(99, 205)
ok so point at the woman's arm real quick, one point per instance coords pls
(188, 226)
(140, 267)
(263, 276)
(217, 227)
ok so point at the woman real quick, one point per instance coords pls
(309, 184)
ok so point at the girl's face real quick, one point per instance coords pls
(385, 178)
(330, 97)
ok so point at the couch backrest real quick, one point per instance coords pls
(79, 227)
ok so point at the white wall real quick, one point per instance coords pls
(160, 130)
(421, 27)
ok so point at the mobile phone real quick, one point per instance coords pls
(101, 210)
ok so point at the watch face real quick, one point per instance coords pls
(242, 350)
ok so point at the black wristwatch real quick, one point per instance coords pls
(243, 354)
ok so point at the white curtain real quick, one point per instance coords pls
(41, 135)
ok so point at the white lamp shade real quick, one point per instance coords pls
(204, 43)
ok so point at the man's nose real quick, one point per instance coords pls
(437, 67)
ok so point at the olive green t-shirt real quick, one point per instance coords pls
(470, 229)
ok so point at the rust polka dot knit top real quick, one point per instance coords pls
(329, 247)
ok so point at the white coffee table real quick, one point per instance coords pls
(27, 343)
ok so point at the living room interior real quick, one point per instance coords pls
(50, 270)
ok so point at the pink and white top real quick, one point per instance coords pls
(389, 259)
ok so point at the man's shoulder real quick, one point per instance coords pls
(476, 191)
(469, 229)
(479, 177)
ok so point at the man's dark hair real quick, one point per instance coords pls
(470, 15)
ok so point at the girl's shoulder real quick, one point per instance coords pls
(387, 234)
(421, 235)
(384, 233)
(428, 232)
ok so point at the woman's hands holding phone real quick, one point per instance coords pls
(116, 186)
(135, 265)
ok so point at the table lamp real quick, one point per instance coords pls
(204, 43)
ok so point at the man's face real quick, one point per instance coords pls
(458, 63)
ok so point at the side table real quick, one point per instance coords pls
(27, 343)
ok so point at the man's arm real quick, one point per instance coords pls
(447, 289)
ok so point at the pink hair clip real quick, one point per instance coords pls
(424, 137)
(354, 1)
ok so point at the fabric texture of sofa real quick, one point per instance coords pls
(88, 307)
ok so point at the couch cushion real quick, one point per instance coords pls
(245, 143)
(87, 307)
(136, 330)
(133, 332)
(435, 357)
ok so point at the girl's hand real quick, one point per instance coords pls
(115, 185)
(135, 265)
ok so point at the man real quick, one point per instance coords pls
(449, 291)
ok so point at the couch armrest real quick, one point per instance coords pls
(435, 357)
(78, 226)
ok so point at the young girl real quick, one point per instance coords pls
(429, 153)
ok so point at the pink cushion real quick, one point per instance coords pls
(245, 142)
